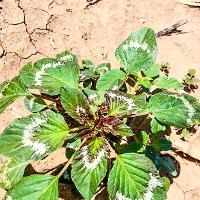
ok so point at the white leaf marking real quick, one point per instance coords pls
(124, 99)
(115, 87)
(3, 175)
(87, 160)
(28, 134)
(125, 47)
(31, 102)
(153, 183)
(80, 110)
(104, 69)
(91, 97)
(191, 110)
(136, 45)
(120, 196)
(3, 88)
(38, 74)
(67, 57)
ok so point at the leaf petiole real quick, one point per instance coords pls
(78, 128)
(69, 162)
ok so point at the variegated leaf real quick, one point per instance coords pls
(138, 51)
(12, 171)
(134, 176)
(10, 91)
(103, 68)
(179, 110)
(90, 167)
(34, 104)
(110, 80)
(35, 136)
(121, 104)
(67, 57)
(49, 75)
(88, 71)
(76, 105)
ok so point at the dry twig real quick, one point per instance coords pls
(171, 29)
(91, 3)
(195, 3)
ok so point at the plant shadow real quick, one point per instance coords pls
(177, 166)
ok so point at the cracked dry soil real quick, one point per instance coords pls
(33, 29)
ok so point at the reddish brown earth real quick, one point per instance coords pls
(32, 29)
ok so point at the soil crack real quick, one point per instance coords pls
(91, 3)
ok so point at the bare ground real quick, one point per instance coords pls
(34, 29)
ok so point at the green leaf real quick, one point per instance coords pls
(67, 57)
(138, 51)
(168, 166)
(123, 130)
(71, 147)
(134, 176)
(103, 68)
(35, 187)
(49, 75)
(165, 82)
(179, 110)
(166, 182)
(10, 91)
(192, 72)
(121, 104)
(86, 74)
(34, 104)
(116, 127)
(110, 79)
(35, 136)
(132, 147)
(145, 82)
(94, 97)
(88, 71)
(74, 144)
(185, 133)
(90, 167)
(153, 155)
(153, 71)
(11, 172)
(141, 103)
(156, 127)
(76, 105)
(87, 64)
(144, 138)
(160, 143)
